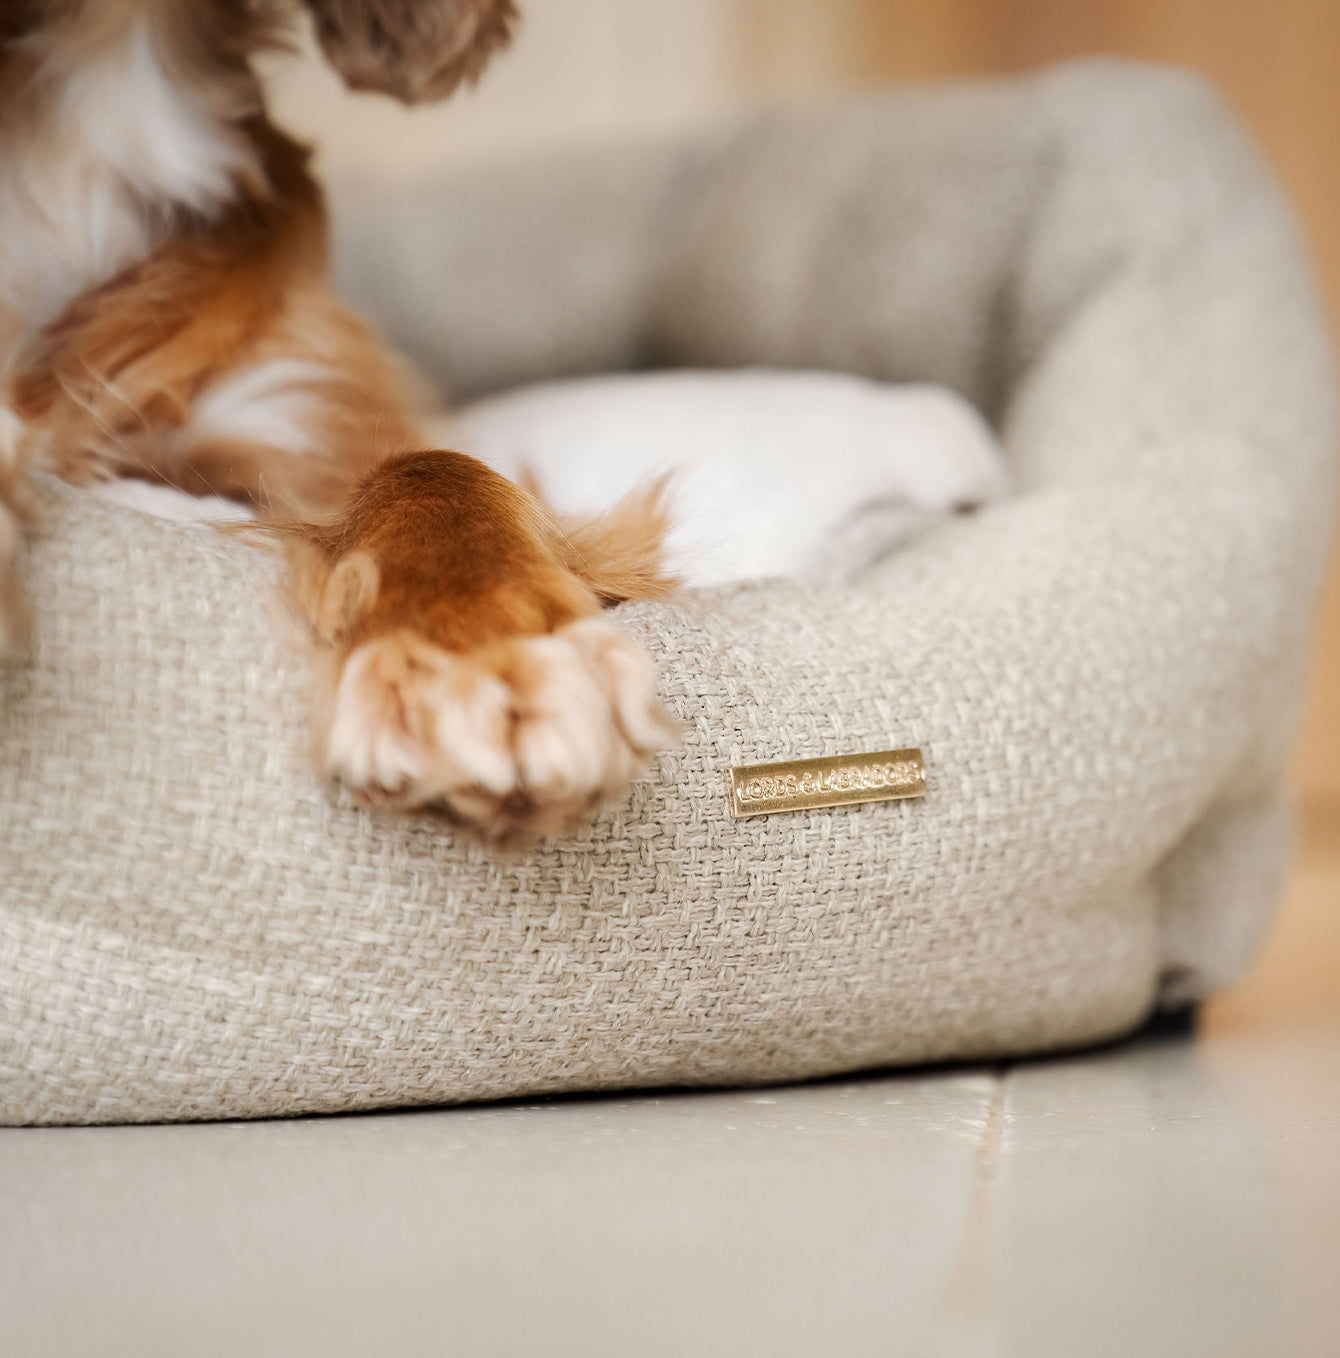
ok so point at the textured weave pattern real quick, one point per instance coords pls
(1102, 672)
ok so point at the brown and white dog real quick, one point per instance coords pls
(164, 314)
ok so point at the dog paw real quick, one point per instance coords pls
(517, 739)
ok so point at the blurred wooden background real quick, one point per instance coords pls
(584, 69)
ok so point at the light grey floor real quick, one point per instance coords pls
(1168, 1197)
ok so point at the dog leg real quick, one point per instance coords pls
(459, 628)
(469, 668)
(247, 385)
(223, 339)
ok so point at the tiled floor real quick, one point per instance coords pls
(1168, 1197)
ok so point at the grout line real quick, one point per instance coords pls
(969, 1300)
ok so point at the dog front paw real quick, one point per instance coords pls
(517, 739)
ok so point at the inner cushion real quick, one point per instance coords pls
(765, 473)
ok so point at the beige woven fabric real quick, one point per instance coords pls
(1102, 672)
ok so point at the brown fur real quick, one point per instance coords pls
(415, 50)
(425, 517)
(119, 372)
(619, 554)
(419, 555)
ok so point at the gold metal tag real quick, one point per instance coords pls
(839, 780)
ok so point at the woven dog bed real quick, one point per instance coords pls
(1102, 672)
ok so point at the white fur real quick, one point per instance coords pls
(272, 404)
(117, 132)
(164, 502)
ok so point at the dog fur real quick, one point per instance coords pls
(164, 313)
(409, 49)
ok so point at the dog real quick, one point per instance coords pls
(164, 314)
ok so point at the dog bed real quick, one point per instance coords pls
(1102, 671)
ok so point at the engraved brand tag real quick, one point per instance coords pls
(798, 784)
